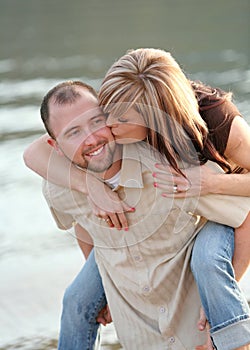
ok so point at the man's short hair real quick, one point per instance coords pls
(63, 93)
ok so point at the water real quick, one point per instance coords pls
(45, 42)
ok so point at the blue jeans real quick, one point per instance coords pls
(82, 301)
(223, 301)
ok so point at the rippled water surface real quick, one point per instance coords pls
(44, 42)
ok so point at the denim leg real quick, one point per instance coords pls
(82, 301)
(225, 305)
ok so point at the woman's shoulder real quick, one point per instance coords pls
(218, 111)
(215, 105)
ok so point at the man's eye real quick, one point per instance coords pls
(73, 133)
(99, 121)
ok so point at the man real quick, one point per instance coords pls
(145, 271)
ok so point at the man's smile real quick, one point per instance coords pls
(95, 152)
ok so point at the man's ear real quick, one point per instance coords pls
(54, 144)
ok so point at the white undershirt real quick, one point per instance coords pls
(113, 182)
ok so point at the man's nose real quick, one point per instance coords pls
(91, 139)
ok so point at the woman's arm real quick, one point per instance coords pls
(46, 162)
(84, 240)
(203, 180)
(237, 151)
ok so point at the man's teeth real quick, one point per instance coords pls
(95, 153)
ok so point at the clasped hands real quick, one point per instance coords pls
(104, 318)
(107, 205)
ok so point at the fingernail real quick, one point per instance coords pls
(126, 229)
(154, 174)
(132, 209)
(155, 184)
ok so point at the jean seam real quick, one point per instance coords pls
(96, 308)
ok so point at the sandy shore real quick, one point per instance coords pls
(30, 305)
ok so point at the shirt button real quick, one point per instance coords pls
(162, 309)
(172, 340)
(146, 289)
(137, 257)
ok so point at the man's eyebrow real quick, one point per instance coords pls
(99, 114)
(66, 132)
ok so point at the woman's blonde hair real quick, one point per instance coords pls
(152, 82)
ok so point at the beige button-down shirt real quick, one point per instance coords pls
(146, 270)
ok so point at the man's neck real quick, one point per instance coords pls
(116, 166)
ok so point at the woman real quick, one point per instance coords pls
(150, 85)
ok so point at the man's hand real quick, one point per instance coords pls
(104, 316)
(202, 325)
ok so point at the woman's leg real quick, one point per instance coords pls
(82, 301)
(225, 306)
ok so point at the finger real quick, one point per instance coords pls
(108, 315)
(123, 221)
(164, 177)
(115, 221)
(127, 208)
(178, 195)
(122, 207)
(165, 187)
(175, 179)
(101, 213)
(101, 316)
(201, 347)
(118, 221)
(101, 320)
(104, 217)
(172, 189)
(175, 188)
(202, 322)
(109, 221)
(163, 167)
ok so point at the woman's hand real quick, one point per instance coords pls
(107, 205)
(199, 181)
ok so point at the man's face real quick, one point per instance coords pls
(81, 132)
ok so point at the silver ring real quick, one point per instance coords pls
(175, 189)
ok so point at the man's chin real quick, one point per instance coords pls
(98, 169)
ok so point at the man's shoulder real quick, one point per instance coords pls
(51, 190)
(62, 196)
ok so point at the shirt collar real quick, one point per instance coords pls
(131, 170)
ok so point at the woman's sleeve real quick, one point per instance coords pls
(219, 120)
